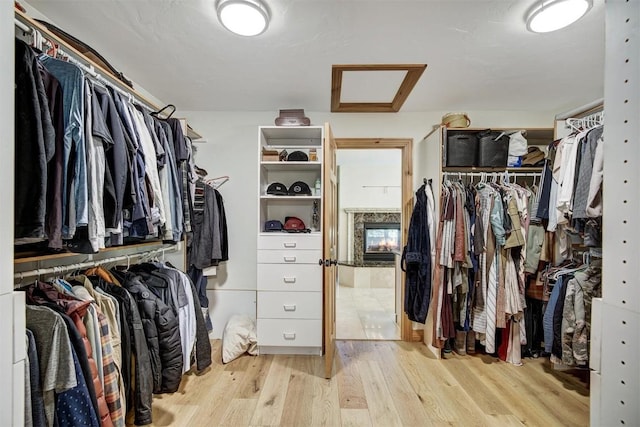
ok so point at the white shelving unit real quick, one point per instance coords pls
(289, 282)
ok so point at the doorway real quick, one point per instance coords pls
(375, 190)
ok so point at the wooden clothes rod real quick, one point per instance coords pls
(88, 264)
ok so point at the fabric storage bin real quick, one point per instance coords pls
(493, 149)
(462, 149)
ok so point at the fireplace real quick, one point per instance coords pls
(380, 241)
(356, 218)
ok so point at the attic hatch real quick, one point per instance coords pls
(401, 76)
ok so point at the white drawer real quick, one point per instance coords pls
(290, 333)
(290, 305)
(290, 241)
(293, 277)
(289, 256)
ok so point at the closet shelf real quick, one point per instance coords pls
(27, 257)
(489, 170)
(291, 166)
(291, 198)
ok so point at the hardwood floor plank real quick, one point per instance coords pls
(405, 398)
(506, 421)
(350, 387)
(393, 383)
(168, 415)
(381, 407)
(239, 412)
(255, 374)
(299, 396)
(472, 378)
(272, 397)
(215, 398)
(355, 418)
(548, 390)
(325, 406)
(499, 382)
(439, 389)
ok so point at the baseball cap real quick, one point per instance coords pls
(273, 225)
(277, 189)
(293, 224)
(298, 156)
(299, 188)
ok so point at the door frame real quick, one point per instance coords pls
(407, 333)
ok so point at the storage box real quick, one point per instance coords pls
(462, 149)
(270, 155)
(493, 149)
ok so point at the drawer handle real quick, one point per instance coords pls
(290, 245)
(289, 335)
(289, 259)
(289, 279)
(289, 307)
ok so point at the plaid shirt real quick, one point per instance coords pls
(111, 374)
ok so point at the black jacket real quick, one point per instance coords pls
(165, 283)
(139, 395)
(34, 146)
(416, 261)
(162, 331)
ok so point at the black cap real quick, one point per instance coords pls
(277, 189)
(299, 188)
(298, 156)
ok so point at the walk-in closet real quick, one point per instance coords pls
(355, 213)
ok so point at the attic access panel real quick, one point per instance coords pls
(413, 73)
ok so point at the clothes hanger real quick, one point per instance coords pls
(173, 110)
(213, 181)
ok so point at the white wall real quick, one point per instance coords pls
(366, 179)
(232, 149)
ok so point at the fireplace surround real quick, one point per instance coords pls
(356, 219)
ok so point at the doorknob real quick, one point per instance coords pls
(328, 262)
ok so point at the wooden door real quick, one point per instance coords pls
(330, 248)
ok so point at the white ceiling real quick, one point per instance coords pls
(479, 54)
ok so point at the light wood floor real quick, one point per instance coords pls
(381, 383)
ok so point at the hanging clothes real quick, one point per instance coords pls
(416, 261)
(34, 147)
(100, 170)
(479, 281)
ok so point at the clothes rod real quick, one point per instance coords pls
(87, 264)
(591, 107)
(523, 174)
(103, 77)
(24, 27)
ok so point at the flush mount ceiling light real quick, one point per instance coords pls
(243, 17)
(552, 15)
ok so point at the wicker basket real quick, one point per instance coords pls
(456, 120)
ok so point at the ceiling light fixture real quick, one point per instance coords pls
(243, 17)
(552, 15)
